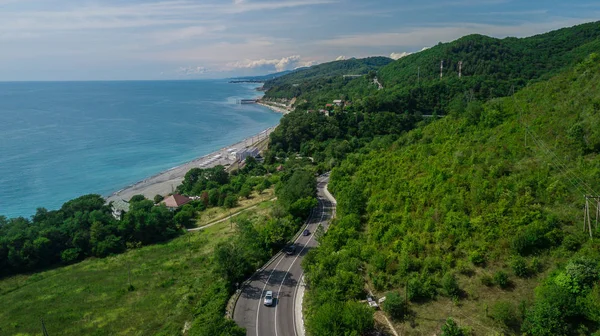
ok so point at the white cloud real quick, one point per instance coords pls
(282, 64)
(147, 14)
(192, 70)
(340, 58)
(397, 56)
(187, 33)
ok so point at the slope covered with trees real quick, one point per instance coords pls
(479, 207)
(491, 68)
(317, 77)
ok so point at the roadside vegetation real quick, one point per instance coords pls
(474, 220)
(147, 282)
(462, 218)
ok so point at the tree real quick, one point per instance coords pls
(450, 328)
(300, 185)
(553, 312)
(137, 198)
(394, 305)
(230, 262)
(340, 319)
(246, 191)
(230, 202)
(184, 216)
(158, 199)
(450, 285)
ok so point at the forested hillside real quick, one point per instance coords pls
(491, 68)
(314, 78)
(476, 216)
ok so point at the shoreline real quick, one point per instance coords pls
(277, 109)
(166, 181)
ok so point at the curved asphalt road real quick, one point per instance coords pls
(282, 276)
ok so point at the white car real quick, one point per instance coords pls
(269, 298)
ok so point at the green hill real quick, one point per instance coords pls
(465, 216)
(312, 79)
(491, 68)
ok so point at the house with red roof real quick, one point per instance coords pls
(175, 201)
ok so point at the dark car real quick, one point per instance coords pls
(306, 232)
(290, 250)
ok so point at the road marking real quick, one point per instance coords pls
(322, 204)
(294, 304)
(273, 270)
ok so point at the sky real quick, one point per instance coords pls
(189, 39)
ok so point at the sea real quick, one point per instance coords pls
(61, 140)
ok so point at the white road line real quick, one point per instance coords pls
(269, 278)
(294, 304)
(293, 262)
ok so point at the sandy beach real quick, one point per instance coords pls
(275, 108)
(166, 182)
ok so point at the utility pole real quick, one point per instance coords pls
(460, 69)
(418, 75)
(442, 69)
(44, 331)
(587, 220)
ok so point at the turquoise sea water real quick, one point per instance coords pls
(65, 139)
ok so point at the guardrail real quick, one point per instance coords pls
(230, 308)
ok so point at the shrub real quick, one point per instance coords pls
(487, 280)
(450, 285)
(464, 268)
(501, 279)
(394, 305)
(450, 328)
(536, 265)
(158, 199)
(230, 202)
(477, 258)
(421, 288)
(505, 313)
(519, 266)
(571, 243)
(553, 312)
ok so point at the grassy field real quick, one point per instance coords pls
(92, 297)
(217, 213)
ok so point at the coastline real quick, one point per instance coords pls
(166, 181)
(274, 108)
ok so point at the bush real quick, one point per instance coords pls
(519, 266)
(477, 258)
(421, 288)
(501, 279)
(230, 202)
(394, 305)
(571, 243)
(553, 313)
(505, 313)
(450, 328)
(336, 318)
(487, 280)
(450, 285)
(158, 199)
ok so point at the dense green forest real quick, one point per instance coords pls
(491, 68)
(323, 76)
(80, 228)
(486, 200)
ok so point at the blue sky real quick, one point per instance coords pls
(171, 39)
